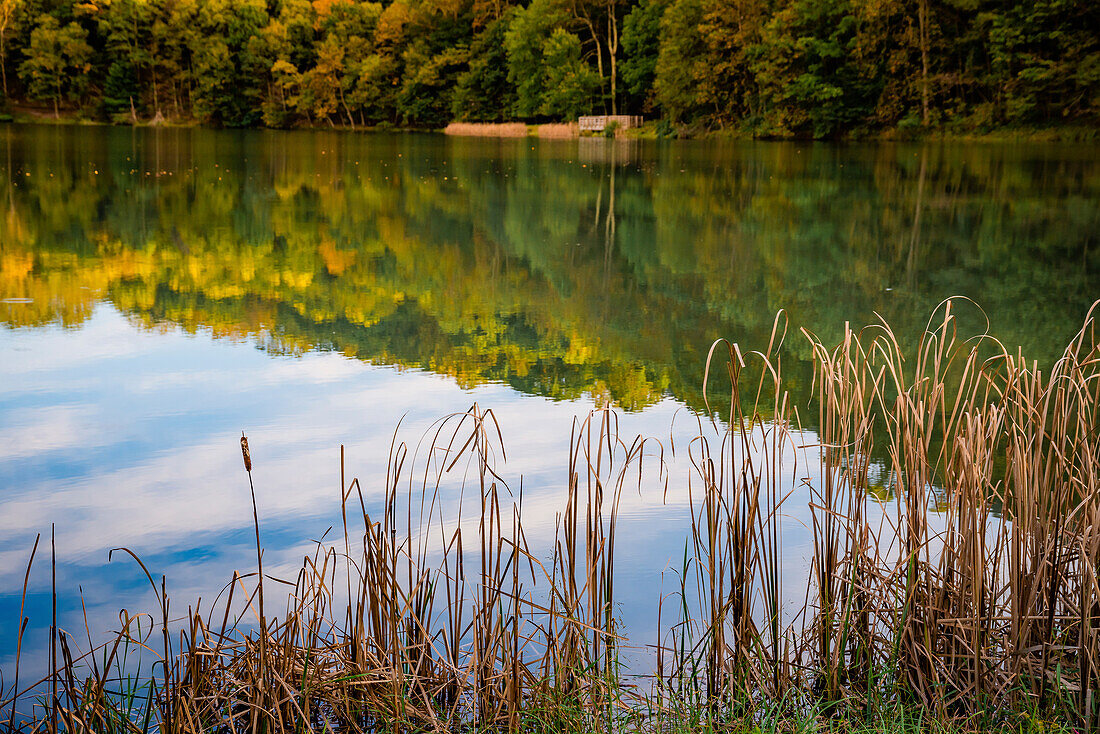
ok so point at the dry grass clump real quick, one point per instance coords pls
(993, 611)
(487, 129)
(560, 130)
(983, 614)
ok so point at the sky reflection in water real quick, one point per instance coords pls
(128, 437)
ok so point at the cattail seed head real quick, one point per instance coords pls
(245, 454)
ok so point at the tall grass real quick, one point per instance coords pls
(956, 535)
(488, 129)
(558, 130)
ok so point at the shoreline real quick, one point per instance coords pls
(568, 131)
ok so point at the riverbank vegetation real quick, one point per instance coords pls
(801, 68)
(953, 577)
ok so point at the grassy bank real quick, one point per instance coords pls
(988, 619)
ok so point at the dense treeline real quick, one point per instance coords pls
(770, 67)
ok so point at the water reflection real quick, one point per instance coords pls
(560, 268)
(127, 437)
(163, 289)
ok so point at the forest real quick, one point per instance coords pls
(767, 68)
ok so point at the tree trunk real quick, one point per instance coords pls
(3, 66)
(156, 97)
(922, 20)
(599, 52)
(613, 53)
(347, 110)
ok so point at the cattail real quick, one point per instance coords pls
(245, 454)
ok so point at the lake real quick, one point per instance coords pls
(163, 290)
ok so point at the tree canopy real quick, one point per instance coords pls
(813, 68)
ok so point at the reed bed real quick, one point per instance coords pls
(488, 129)
(559, 130)
(953, 584)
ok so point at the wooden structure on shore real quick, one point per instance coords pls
(599, 123)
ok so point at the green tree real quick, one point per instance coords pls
(375, 77)
(347, 20)
(483, 92)
(57, 63)
(231, 61)
(679, 61)
(326, 84)
(730, 30)
(174, 37)
(812, 77)
(1044, 58)
(524, 44)
(425, 96)
(323, 92)
(351, 26)
(641, 46)
(120, 88)
(571, 84)
(165, 62)
(281, 106)
(298, 19)
(602, 19)
(126, 27)
(374, 92)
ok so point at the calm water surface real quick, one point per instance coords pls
(162, 290)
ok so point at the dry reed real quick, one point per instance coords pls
(561, 130)
(488, 129)
(989, 605)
